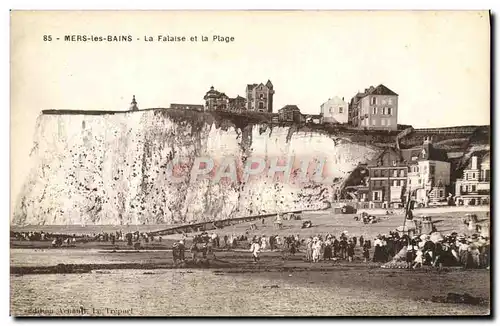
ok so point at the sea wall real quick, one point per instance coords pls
(114, 169)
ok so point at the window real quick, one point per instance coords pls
(261, 96)
(441, 193)
(473, 175)
(388, 122)
(409, 181)
(376, 195)
(394, 183)
(374, 111)
(382, 122)
(331, 110)
(389, 101)
(473, 188)
(374, 122)
(341, 109)
(389, 111)
(374, 100)
(401, 173)
(261, 105)
(395, 173)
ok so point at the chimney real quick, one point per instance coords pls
(428, 140)
(474, 163)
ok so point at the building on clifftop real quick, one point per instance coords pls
(260, 97)
(237, 104)
(335, 110)
(375, 108)
(215, 100)
(290, 113)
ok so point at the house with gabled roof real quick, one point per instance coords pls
(375, 108)
(215, 100)
(429, 172)
(237, 104)
(260, 97)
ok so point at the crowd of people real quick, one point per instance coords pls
(58, 239)
(391, 251)
(437, 250)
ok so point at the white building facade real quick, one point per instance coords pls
(474, 187)
(335, 110)
(428, 174)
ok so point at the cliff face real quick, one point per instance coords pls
(113, 169)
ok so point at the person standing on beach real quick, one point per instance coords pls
(263, 241)
(194, 250)
(309, 249)
(366, 251)
(255, 250)
(317, 244)
(343, 247)
(272, 242)
(350, 250)
(328, 249)
(336, 247)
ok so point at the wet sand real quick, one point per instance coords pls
(365, 284)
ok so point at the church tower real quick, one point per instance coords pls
(133, 104)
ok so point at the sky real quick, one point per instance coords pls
(438, 62)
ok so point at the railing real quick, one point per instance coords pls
(449, 130)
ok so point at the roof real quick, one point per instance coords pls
(214, 93)
(386, 158)
(407, 154)
(290, 107)
(336, 100)
(357, 97)
(379, 90)
(239, 98)
(251, 86)
(425, 152)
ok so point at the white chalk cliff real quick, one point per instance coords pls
(112, 169)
